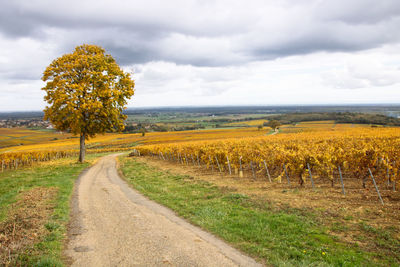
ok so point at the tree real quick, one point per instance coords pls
(274, 124)
(259, 127)
(87, 92)
(143, 131)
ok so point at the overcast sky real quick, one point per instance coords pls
(211, 52)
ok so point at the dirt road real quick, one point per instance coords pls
(114, 225)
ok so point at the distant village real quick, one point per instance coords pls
(29, 123)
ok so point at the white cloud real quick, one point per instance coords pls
(211, 52)
(365, 70)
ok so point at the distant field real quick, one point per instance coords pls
(22, 139)
(44, 140)
(196, 120)
(246, 123)
(185, 117)
(302, 126)
(319, 126)
(24, 136)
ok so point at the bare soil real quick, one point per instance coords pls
(114, 225)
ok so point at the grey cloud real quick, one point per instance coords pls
(21, 75)
(330, 38)
(206, 33)
(126, 55)
(358, 11)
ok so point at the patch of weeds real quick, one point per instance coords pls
(348, 218)
(382, 238)
(43, 232)
(51, 226)
(236, 197)
(339, 227)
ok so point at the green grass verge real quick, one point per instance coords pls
(60, 174)
(279, 237)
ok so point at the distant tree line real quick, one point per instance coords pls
(338, 117)
(140, 127)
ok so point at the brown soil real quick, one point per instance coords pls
(24, 225)
(358, 206)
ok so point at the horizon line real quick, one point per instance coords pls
(227, 106)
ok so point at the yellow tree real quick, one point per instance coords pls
(87, 92)
(274, 124)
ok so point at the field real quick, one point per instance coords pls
(246, 123)
(22, 136)
(22, 139)
(13, 156)
(198, 120)
(124, 140)
(318, 172)
(357, 152)
(312, 126)
(257, 173)
(24, 146)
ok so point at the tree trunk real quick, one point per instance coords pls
(301, 181)
(364, 181)
(82, 149)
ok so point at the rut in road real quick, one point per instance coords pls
(114, 225)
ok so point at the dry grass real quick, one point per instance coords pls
(24, 225)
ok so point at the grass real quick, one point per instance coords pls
(280, 237)
(60, 174)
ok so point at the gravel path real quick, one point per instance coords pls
(114, 225)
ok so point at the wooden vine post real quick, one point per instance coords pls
(311, 178)
(286, 173)
(211, 163)
(191, 155)
(219, 166)
(341, 180)
(376, 187)
(252, 170)
(229, 165)
(266, 168)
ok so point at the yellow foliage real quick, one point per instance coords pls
(86, 91)
(354, 150)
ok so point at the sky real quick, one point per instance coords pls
(211, 52)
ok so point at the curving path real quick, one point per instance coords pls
(114, 225)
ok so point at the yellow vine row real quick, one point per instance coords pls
(354, 151)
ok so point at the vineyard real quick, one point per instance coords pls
(15, 160)
(362, 154)
(356, 152)
(331, 170)
(45, 146)
(22, 136)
